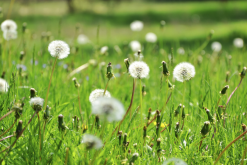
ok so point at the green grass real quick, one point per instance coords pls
(63, 99)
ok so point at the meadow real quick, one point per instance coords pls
(152, 128)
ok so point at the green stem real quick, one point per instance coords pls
(245, 151)
(141, 115)
(46, 98)
(106, 87)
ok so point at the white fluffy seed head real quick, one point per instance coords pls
(9, 35)
(181, 51)
(59, 49)
(184, 71)
(135, 46)
(151, 37)
(91, 141)
(139, 69)
(108, 108)
(8, 25)
(82, 39)
(136, 25)
(138, 56)
(238, 42)
(97, 93)
(104, 49)
(3, 86)
(36, 103)
(216, 46)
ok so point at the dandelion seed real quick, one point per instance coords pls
(136, 25)
(92, 142)
(104, 49)
(238, 42)
(181, 51)
(109, 108)
(59, 49)
(139, 69)
(3, 86)
(184, 71)
(82, 39)
(97, 93)
(9, 35)
(36, 103)
(151, 37)
(8, 25)
(135, 46)
(216, 46)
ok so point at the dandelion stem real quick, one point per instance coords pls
(106, 87)
(233, 92)
(129, 109)
(8, 128)
(7, 114)
(6, 137)
(141, 115)
(46, 98)
(67, 155)
(229, 146)
(245, 151)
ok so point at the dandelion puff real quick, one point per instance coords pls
(136, 25)
(216, 46)
(104, 49)
(36, 103)
(181, 51)
(135, 46)
(184, 71)
(151, 37)
(59, 49)
(238, 42)
(139, 69)
(82, 39)
(92, 142)
(176, 161)
(8, 25)
(109, 108)
(97, 93)
(9, 35)
(3, 86)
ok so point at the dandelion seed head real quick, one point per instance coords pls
(8, 25)
(92, 142)
(138, 56)
(176, 161)
(59, 49)
(104, 49)
(10, 35)
(82, 39)
(238, 42)
(184, 71)
(135, 46)
(136, 25)
(109, 108)
(181, 51)
(151, 37)
(36, 103)
(97, 93)
(139, 69)
(3, 86)
(216, 46)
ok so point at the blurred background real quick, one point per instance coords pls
(184, 21)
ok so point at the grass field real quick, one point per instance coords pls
(188, 25)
